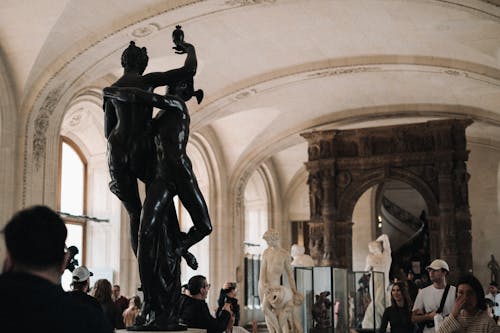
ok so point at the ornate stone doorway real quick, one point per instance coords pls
(428, 156)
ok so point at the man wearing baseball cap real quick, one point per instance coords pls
(30, 286)
(428, 302)
(81, 286)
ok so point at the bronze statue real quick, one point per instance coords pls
(321, 310)
(494, 268)
(165, 169)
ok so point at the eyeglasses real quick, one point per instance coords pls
(207, 285)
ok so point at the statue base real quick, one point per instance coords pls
(188, 330)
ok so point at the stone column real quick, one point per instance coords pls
(328, 210)
(343, 245)
(448, 249)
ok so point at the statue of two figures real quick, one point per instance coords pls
(154, 152)
(281, 304)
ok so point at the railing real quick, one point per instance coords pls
(401, 214)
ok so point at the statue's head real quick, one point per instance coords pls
(179, 88)
(297, 250)
(135, 58)
(272, 237)
(375, 247)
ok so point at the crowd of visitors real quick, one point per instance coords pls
(33, 299)
(440, 307)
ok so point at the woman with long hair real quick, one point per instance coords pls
(102, 292)
(469, 313)
(399, 313)
(130, 313)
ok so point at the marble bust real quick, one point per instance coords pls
(301, 259)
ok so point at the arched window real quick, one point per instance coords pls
(256, 214)
(72, 198)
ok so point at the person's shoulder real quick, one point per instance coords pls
(86, 318)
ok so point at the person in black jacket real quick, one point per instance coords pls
(81, 286)
(195, 312)
(399, 313)
(30, 289)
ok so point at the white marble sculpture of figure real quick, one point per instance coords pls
(300, 259)
(277, 301)
(378, 260)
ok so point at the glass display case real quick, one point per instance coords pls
(367, 300)
(325, 290)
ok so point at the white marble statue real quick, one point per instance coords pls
(300, 259)
(378, 260)
(278, 302)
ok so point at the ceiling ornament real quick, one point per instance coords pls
(248, 2)
(146, 30)
(344, 70)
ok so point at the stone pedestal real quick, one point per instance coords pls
(189, 330)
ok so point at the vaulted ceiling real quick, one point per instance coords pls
(271, 69)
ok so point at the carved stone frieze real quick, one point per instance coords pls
(428, 156)
(41, 124)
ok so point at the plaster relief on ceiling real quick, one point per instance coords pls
(75, 118)
(145, 30)
(248, 2)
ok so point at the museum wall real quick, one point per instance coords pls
(484, 201)
(362, 230)
(298, 205)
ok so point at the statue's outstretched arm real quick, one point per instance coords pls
(291, 279)
(191, 62)
(386, 243)
(159, 79)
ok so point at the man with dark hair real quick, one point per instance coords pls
(194, 309)
(120, 301)
(32, 297)
(81, 286)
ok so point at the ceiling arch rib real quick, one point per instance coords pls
(251, 159)
(217, 106)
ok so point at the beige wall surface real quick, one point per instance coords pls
(483, 167)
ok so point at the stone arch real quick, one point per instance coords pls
(355, 190)
(8, 140)
(428, 156)
(205, 142)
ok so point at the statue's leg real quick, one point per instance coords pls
(157, 199)
(270, 317)
(173, 225)
(192, 198)
(124, 186)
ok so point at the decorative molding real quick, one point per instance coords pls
(41, 124)
(241, 3)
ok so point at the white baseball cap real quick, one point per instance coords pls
(438, 264)
(81, 274)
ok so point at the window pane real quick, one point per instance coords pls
(72, 181)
